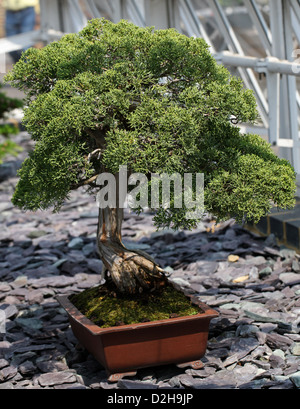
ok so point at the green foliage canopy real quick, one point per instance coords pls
(154, 100)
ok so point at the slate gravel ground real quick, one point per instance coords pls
(253, 283)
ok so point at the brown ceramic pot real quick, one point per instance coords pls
(124, 349)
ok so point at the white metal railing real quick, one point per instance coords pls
(278, 102)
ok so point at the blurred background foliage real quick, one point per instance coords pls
(7, 145)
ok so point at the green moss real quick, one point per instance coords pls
(106, 309)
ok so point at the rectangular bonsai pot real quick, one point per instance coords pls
(126, 348)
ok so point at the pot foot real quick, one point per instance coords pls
(117, 376)
(194, 365)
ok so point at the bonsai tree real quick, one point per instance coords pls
(157, 102)
(7, 146)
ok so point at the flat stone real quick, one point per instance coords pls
(230, 245)
(56, 378)
(174, 382)
(129, 384)
(4, 287)
(180, 281)
(246, 330)
(188, 381)
(239, 349)
(296, 349)
(88, 249)
(29, 323)
(17, 265)
(253, 273)
(201, 373)
(6, 385)
(4, 347)
(76, 243)
(95, 265)
(57, 281)
(75, 385)
(59, 262)
(256, 307)
(27, 368)
(255, 261)
(260, 318)
(30, 348)
(271, 240)
(8, 373)
(296, 266)
(19, 358)
(89, 215)
(291, 368)
(34, 297)
(287, 253)
(223, 379)
(204, 267)
(19, 292)
(267, 327)
(271, 251)
(31, 311)
(131, 245)
(276, 361)
(289, 292)
(231, 306)
(41, 272)
(10, 310)
(280, 353)
(3, 363)
(20, 281)
(265, 272)
(106, 385)
(290, 278)
(295, 378)
(246, 373)
(46, 244)
(51, 366)
(36, 234)
(277, 341)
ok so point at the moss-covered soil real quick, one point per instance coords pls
(103, 306)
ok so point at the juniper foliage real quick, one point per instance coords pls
(154, 100)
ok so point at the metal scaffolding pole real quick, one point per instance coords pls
(193, 25)
(260, 24)
(282, 48)
(247, 74)
(162, 14)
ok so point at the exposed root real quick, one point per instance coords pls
(131, 272)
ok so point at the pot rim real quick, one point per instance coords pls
(208, 313)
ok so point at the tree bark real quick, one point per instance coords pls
(131, 271)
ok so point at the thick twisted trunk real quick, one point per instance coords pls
(131, 271)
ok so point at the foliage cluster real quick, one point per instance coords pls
(154, 100)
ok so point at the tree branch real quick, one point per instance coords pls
(85, 182)
(94, 153)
